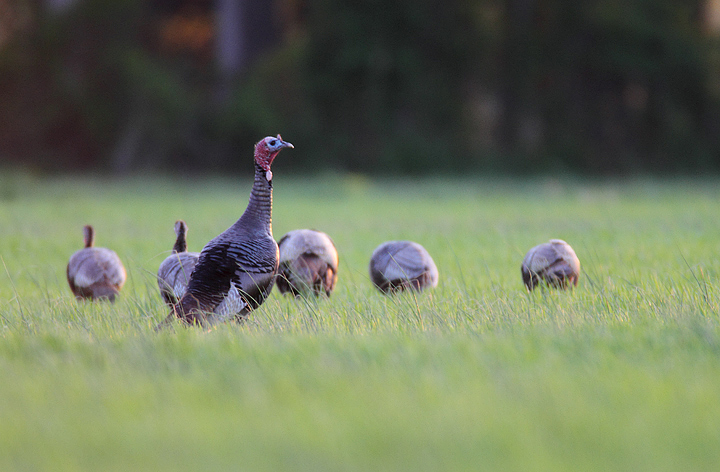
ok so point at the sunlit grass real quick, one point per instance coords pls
(622, 373)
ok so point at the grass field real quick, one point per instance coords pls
(622, 373)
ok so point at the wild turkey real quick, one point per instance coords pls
(308, 263)
(236, 270)
(554, 263)
(401, 265)
(174, 272)
(95, 272)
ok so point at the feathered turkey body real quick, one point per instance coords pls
(308, 263)
(174, 272)
(236, 270)
(554, 263)
(400, 265)
(95, 272)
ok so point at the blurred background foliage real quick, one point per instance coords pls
(411, 86)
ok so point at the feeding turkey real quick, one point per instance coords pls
(95, 272)
(236, 270)
(554, 263)
(174, 272)
(308, 263)
(399, 265)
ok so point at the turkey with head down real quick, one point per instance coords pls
(308, 263)
(553, 263)
(95, 272)
(399, 265)
(174, 272)
(236, 270)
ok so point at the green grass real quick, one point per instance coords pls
(622, 373)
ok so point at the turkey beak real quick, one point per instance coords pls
(285, 144)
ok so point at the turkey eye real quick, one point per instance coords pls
(273, 142)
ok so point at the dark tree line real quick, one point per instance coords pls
(414, 86)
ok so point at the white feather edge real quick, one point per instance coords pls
(538, 258)
(410, 261)
(300, 241)
(232, 304)
(92, 265)
(177, 266)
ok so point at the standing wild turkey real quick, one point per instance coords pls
(554, 263)
(308, 262)
(236, 270)
(95, 272)
(174, 272)
(399, 265)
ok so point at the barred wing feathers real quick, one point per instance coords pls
(236, 273)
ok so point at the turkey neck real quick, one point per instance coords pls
(258, 214)
(180, 243)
